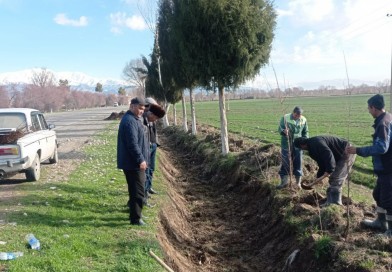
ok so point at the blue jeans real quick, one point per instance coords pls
(296, 158)
(151, 167)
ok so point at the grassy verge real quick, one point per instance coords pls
(82, 224)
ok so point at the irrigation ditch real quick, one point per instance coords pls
(224, 213)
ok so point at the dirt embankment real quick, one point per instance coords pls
(225, 215)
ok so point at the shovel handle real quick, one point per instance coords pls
(315, 182)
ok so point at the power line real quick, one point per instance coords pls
(354, 27)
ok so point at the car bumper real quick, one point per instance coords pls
(12, 166)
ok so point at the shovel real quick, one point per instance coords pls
(309, 186)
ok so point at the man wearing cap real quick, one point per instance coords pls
(152, 113)
(381, 151)
(334, 163)
(291, 126)
(133, 152)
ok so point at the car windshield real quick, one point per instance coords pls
(12, 120)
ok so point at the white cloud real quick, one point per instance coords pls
(308, 10)
(120, 19)
(310, 36)
(355, 28)
(319, 40)
(282, 12)
(62, 19)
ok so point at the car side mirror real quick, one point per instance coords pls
(51, 126)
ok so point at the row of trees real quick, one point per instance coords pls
(46, 95)
(215, 45)
(55, 98)
(255, 93)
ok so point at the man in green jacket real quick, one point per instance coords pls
(292, 126)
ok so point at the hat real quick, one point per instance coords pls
(138, 101)
(298, 110)
(150, 100)
(377, 101)
(157, 110)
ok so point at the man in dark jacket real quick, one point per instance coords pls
(333, 161)
(152, 113)
(133, 147)
(381, 151)
(158, 112)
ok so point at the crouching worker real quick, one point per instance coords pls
(381, 153)
(332, 160)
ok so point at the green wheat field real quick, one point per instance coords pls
(258, 119)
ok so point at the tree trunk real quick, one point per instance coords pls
(184, 117)
(223, 120)
(228, 100)
(174, 115)
(165, 120)
(193, 113)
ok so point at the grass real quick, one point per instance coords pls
(82, 223)
(323, 247)
(342, 116)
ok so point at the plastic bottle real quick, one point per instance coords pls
(10, 255)
(33, 242)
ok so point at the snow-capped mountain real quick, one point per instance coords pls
(76, 80)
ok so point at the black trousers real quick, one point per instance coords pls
(136, 181)
(382, 193)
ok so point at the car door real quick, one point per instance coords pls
(50, 137)
(43, 137)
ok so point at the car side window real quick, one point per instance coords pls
(44, 125)
(35, 122)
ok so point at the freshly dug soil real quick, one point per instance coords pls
(234, 219)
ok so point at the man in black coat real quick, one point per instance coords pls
(333, 161)
(133, 153)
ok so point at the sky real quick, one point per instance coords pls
(341, 40)
(315, 41)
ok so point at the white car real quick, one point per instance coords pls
(26, 140)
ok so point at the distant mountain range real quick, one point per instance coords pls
(81, 81)
(76, 80)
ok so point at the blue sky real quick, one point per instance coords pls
(97, 37)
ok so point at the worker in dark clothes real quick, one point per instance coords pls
(333, 161)
(133, 153)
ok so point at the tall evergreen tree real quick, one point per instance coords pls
(223, 43)
(99, 88)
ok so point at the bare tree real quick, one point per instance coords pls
(123, 100)
(4, 97)
(110, 99)
(133, 73)
(43, 78)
